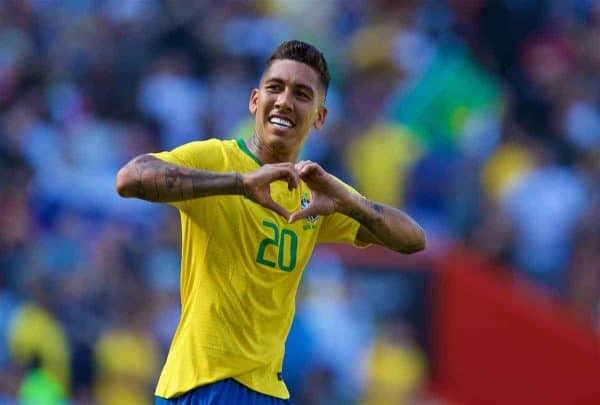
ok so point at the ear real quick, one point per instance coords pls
(253, 103)
(321, 115)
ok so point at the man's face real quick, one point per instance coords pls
(288, 103)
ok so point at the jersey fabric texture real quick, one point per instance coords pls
(240, 269)
(226, 391)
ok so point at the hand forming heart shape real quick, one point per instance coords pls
(327, 192)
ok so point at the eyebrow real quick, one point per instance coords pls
(298, 85)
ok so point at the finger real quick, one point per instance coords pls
(287, 165)
(304, 213)
(293, 180)
(301, 164)
(309, 169)
(273, 206)
(288, 174)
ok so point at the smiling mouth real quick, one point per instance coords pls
(281, 122)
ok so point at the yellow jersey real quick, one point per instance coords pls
(240, 269)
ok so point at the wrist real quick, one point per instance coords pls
(346, 204)
(240, 186)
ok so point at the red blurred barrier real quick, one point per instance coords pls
(497, 341)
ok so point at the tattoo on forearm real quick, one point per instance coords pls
(162, 182)
(369, 221)
(138, 182)
(156, 187)
(378, 208)
(239, 184)
(171, 176)
(390, 227)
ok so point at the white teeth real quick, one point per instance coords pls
(281, 122)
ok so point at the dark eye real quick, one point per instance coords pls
(303, 95)
(273, 87)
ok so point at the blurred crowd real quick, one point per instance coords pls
(481, 118)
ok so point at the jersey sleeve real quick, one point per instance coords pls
(200, 155)
(340, 228)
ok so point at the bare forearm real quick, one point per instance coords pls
(152, 179)
(386, 225)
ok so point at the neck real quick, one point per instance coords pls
(267, 153)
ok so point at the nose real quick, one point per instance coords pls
(284, 101)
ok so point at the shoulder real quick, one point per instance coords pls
(205, 144)
(203, 148)
(207, 154)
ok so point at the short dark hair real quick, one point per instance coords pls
(303, 53)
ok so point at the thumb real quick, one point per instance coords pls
(304, 213)
(273, 206)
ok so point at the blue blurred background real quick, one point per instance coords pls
(479, 118)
